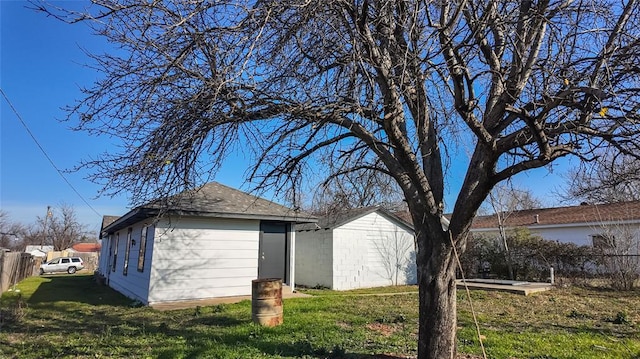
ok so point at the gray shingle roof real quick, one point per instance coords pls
(216, 201)
(106, 221)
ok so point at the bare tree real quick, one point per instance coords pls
(609, 178)
(383, 85)
(60, 228)
(505, 199)
(618, 249)
(11, 233)
(356, 190)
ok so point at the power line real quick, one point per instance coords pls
(45, 153)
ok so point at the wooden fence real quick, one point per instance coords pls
(16, 266)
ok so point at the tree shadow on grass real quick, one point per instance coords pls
(107, 330)
(76, 288)
(64, 306)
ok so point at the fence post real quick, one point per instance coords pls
(2, 272)
(551, 275)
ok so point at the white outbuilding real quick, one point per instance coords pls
(38, 251)
(208, 243)
(360, 248)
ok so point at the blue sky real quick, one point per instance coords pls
(42, 67)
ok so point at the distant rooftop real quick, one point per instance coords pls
(596, 213)
(33, 248)
(86, 247)
(585, 213)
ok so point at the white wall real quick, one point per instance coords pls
(203, 258)
(365, 253)
(579, 234)
(313, 251)
(103, 262)
(134, 284)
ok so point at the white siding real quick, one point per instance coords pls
(103, 262)
(313, 260)
(579, 234)
(362, 253)
(199, 258)
(134, 284)
(372, 251)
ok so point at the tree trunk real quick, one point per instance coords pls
(437, 287)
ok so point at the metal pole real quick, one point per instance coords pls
(44, 231)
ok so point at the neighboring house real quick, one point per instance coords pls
(365, 247)
(88, 251)
(581, 225)
(85, 247)
(38, 251)
(209, 242)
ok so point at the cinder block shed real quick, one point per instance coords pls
(360, 248)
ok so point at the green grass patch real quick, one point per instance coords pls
(73, 317)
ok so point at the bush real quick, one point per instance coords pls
(531, 257)
(617, 251)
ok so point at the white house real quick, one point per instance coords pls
(581, 225)
(366, 247)
(38, 251)
(210, 242)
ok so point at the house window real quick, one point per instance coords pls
(126, 252)
(115, 252)
(143, 248)
(110, 251)
(602, 241)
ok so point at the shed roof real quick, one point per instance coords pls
(335, 220)
(596, 213)
(212, 200)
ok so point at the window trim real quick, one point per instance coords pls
(603, 241)
(144, 235)
(127, 251)
(115, 252)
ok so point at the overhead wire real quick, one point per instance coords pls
(33, 137)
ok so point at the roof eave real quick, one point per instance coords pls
(267, 217)
(594, 224)
(142, 213)
(134, 216)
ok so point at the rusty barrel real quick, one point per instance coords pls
(266, 301)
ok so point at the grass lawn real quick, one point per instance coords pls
(66, 316)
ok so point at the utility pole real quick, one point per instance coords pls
(44, 230)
